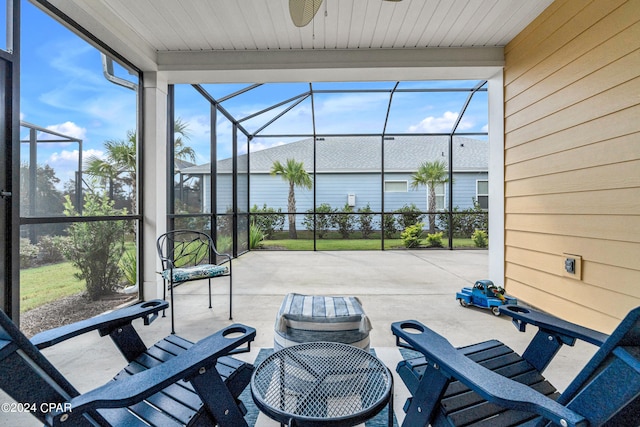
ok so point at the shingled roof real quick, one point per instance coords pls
(363, 154)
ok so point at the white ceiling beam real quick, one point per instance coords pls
(318, 65)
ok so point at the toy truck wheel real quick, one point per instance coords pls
(495, 310)
(463, 302)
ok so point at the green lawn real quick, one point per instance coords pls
(40, 285)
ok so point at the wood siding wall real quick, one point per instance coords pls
(572, 160)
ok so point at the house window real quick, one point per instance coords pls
(440, 189)
(395, 186)
(482, 194)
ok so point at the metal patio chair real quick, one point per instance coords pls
(174, 382)
(189, 255)
(489, 384)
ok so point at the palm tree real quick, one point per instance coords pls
(294, 173)
(430, 174)
(181, 150)
(120, 158)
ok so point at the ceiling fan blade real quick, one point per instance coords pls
(303, 11)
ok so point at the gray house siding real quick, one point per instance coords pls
(367, 188)
(333, 189)
(348, 167)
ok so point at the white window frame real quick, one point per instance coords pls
(396, 181)
(478, 194)
(441, 193)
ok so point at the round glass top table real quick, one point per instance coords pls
(322, 383)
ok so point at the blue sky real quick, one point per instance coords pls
(63, 89)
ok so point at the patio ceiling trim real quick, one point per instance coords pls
(330, 65)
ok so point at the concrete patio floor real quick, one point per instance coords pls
(392, 286)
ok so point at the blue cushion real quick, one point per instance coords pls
(196, 272)
(308, 318)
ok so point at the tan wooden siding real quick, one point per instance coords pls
(572, 160)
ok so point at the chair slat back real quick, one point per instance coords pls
(26, 375)
(607, 390)
(185, 248)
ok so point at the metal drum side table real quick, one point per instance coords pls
(322, 383)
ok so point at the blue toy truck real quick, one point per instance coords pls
(485, 294)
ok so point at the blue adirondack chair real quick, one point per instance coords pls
(489, 384)
(175, 382)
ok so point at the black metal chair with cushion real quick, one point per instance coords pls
(174, 382)
(489, 384)
(188, 255)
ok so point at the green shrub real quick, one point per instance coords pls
(408, 215)
(51, 248)
(365, 221)
(224, 223)
(95, 247)
(256, 236)
(129, 266)
(411, 235)
(343, 221)
(323, 222)
(224, 244)
(267, 219)
(465, 221)
(189, 222)
(389, 225)
(28, 253)
(434, 240)
(480, 238)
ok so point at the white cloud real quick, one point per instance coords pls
(261, 145)
(440, 124)
(485, 128)
(198, 127)
(65, 162)
(67, 128)
(69, 158)
(68, 57)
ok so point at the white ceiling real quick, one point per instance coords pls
(196, 39)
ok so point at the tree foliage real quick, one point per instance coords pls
(267, 219)
(120, 159)
(344, 221)
(365, 219)
(408, 215)
(412, 235)
(295, 174)
(95, 247)
(430, 174)
(47, 197)
(323, 220)
(465, 221)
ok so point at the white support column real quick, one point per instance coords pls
(496, 179)
(154, 157)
